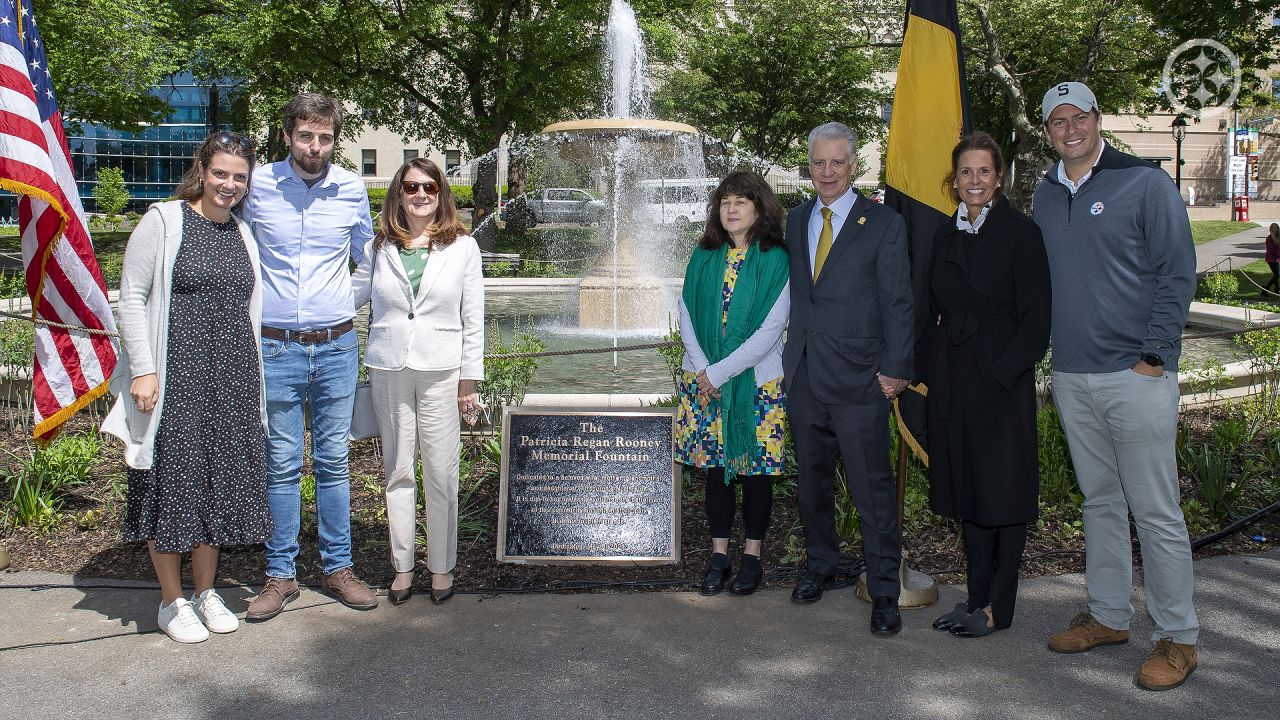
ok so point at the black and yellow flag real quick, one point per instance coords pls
(930, 113)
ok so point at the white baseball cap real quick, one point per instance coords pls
(1073, 93)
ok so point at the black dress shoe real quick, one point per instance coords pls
(810, 586)
(885, 620)
(718, 570)
(748, 577)
(400, 597)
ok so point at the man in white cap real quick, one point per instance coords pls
(1123, 268)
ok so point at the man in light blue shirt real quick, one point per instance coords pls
(309, 217)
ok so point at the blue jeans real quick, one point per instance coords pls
(322, 375)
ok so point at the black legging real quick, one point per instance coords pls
(757, 504)
(994, 554)
(1274, 283)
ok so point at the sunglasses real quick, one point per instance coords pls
(230, 138)
(411, 188)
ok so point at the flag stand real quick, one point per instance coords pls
(916, 589)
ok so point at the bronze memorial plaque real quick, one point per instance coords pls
(589, 486)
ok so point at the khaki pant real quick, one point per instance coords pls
(418, 414)
(1122, 429)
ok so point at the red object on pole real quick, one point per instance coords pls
(1241, 208)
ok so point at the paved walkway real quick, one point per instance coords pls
(641, 655)
(1243, 247)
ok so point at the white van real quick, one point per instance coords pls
(679, 202)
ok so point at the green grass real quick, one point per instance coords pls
(1203, 231)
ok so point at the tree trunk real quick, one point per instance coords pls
(485, 194)
(517, 177)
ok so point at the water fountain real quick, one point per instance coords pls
(623, 291)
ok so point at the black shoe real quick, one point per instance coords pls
(718, 570)
(438, 596)
(810, 586)
(399, 597)
(946, 622)
(885, 620)
(748, 577)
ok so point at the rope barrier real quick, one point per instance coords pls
(62, 326)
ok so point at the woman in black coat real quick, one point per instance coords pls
(989, 283)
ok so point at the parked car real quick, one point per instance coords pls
(559, 205)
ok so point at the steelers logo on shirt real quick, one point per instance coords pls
(1096, 208)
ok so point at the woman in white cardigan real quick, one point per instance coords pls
(425, 353)
(189, 392)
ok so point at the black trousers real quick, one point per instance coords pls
(860, 434)
(722, 499)
(994, 554)
(1274, 282)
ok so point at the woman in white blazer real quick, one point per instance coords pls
(425, 353)
(189, 392)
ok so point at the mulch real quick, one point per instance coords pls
(86, 542)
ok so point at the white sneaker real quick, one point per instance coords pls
(178, 620)
(213, 613)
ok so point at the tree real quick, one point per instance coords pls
(761, 74)
(110, 193)
(1016, 49)
(105, 57)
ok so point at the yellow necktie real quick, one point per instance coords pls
(824, 243)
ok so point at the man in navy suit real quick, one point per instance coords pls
(848, 354)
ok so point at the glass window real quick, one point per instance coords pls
(368, 162)
(452, 159)
(410, 154)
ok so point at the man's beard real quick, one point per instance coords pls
(310, 164)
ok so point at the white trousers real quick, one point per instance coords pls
(418, 415)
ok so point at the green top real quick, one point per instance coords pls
(414, 261)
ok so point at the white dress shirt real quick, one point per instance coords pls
(840, 210)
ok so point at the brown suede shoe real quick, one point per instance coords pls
(1169, 666)
(274, 596)
(347, 589)
(1085, 633)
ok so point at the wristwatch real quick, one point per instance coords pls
(1152, 359)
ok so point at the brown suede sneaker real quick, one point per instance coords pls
(275, 594)
(1085, 633)
(1169, 665)
(347, 589)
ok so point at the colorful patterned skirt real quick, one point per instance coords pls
(698, 430)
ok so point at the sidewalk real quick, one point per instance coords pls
(1243, 247)
(650, 655)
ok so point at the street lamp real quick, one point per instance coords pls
(1179, 127)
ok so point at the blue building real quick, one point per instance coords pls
(153, 158)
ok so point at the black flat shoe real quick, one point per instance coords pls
(718, 570)
(400, 597)
(973, 625)
(748, 577)
(885, 619)
(946, 622)
(810, 586)
(439, 595)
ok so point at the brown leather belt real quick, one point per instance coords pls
(308, 337)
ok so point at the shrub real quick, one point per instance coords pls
(462, 196)
(792, 199)
(17, 343)
(507, 379)
(40, 484)
(1219, 287)
(377, 198)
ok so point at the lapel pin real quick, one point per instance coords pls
(862, 220)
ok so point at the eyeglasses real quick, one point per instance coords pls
(229, 138)
(411, 188)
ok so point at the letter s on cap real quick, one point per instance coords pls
(1063, 89)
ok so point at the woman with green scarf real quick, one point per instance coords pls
(732, 417)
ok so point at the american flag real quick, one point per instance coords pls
(71, 367)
